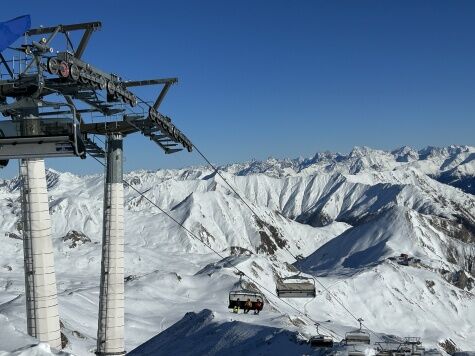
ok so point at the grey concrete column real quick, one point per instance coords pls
(40, 279)
(110, 333)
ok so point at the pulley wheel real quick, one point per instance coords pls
(95, 81)
(110, 87)
(64, 69)
(53, 66)
(133, 101)
(74, 72)
(82, 77)
(102, 83)
(120, 93)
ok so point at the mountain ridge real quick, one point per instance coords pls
(348, 217)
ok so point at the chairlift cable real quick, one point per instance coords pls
(219, 254)
(216, 170)
(359, 320)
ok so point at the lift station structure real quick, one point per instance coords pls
(36, 127)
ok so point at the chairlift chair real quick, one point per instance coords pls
(358, 336)
(238, 298)
(402, 353)
(356, 353)
(320, 340)
(296, 286)
(412, 340)
(413, 346)
(432, 352)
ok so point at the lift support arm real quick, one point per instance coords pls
(65, 28)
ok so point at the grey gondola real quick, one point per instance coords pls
(296, 287)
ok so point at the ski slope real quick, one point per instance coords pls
(349, 216)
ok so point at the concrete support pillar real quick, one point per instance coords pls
(40, 280)
(110, 333)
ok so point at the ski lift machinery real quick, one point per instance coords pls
(34, 129)
(296, 286)
(40, 136)
(238, 298)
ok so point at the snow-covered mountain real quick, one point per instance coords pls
(390, 234)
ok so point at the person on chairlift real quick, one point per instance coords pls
(258, 307)
(236, 307)
(247, 306)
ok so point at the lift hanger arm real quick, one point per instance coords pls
(139, 83)
(84, 41)
(162, 94)
(65, 28)
(71, 103)
(167, 81)
(44, 45)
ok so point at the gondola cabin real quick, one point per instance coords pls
(321, 341)
(239, 298)
(296, 287)
(40, 138)
(357, 337)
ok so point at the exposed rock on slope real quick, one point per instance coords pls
(350, 217)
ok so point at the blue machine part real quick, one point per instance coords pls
(11, 30)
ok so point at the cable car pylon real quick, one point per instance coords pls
(35, 129)
(42, 316)
(110, 331)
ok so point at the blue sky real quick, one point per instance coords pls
(285, 78)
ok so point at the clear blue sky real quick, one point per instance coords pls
(285, 78)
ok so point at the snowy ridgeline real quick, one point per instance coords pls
(391, 234)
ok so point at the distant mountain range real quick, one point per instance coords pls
(391, 234)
